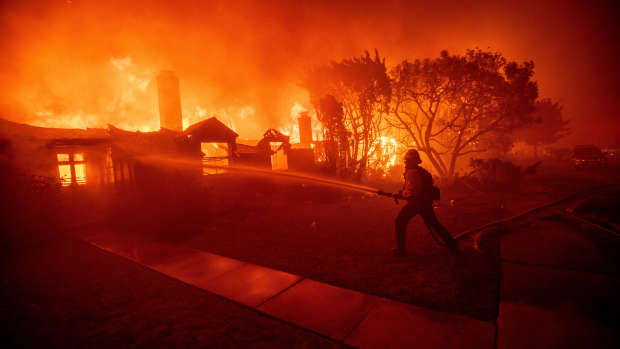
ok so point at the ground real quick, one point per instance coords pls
(62, 291)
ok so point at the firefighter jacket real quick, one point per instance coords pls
(418, 184)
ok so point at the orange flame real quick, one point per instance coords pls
(291, 126)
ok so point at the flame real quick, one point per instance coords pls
(192, 116)
(215, 155)
(133, 96)
(228, 116)
(132, 106)
(291, 126)
(47, 118)
(384, 154)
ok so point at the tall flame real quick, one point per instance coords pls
(133, 105)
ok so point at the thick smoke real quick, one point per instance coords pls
(89, 63)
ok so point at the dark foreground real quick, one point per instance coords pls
(63, 293)
(58, 291)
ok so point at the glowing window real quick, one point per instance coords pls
(64, 172)
(215, 157)
(213, 149)
(71, 169)
(80, 174)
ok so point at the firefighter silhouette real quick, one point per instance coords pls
(420, 193)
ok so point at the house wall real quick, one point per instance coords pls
(301, 160)
(97, 169)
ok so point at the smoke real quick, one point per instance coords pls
(89, 63)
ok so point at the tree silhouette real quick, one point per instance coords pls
(447, 104)
(548, 127)
(361, 87)
(336, 137)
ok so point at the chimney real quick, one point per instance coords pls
(305, 129)
(169, 101)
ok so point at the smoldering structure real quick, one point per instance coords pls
(101, 157)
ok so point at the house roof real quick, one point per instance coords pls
(132, 143)
(144, 143)
(210, 130)
(9, 129)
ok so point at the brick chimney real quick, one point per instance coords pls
(169, 101)
(305, 129)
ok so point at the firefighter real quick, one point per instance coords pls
(420, 193)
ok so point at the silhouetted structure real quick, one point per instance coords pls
(169, 97)
(588, 156)
(215, 143)
(99, 157)
(94, 158)
(275, 146)
(58, 153)
(301, 156)
(305, 130)
(274, 151)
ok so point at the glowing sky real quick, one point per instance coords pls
(91, 62)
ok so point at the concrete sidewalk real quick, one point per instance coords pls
(344, 315)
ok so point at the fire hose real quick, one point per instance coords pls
(395, 196)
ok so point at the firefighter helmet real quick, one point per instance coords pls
(412, 157)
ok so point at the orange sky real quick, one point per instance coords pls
(90, 63)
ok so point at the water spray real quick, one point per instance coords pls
(288, 175)
(310, 178)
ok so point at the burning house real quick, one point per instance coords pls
(276, 152)
(112, 156)
(137, 156)
(100, 157)
(214, 141)
(66, 155)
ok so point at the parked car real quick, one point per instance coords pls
(612, 156)
(588, 156)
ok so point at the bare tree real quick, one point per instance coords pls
(361, 86)
(447, 104)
